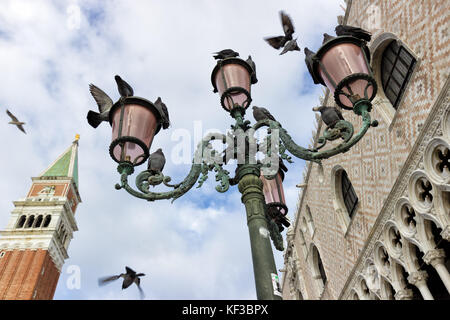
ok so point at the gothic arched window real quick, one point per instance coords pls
(318, 268)
(397, 65)
(348, 194)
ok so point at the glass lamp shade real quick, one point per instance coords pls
(231, 78)
(344, 69)
(273, 191)
(133, 128)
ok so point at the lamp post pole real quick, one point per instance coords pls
(264, 268)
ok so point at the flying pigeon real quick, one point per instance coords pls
(124, 88)
(288, 28)
(330, 115)
(309, 63)
(226, 53)
(253, 65)
(104, 103)
(262, 114)
(290, 46)
(359, 33)
(16, 121)
(156, 162)
(161, 106)
(128, 279)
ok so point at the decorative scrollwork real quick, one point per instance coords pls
(342, 129)
(145, 179)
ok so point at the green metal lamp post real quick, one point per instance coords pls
(341, 64)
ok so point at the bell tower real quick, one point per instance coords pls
(34, 244)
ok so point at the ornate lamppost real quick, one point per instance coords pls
(341, 64)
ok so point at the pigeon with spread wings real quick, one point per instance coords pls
(16, 121)
(288, 28)
(129, 278)
(104, 103)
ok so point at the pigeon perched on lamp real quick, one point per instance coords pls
(330, 115)
(226, 53)
(252, 64)
(156, 162)
(356, 32)
(125, 90)
(327, 37)
(162, 109)
(309, 64)
(260, 113)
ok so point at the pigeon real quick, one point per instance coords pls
(156, 162)
(129, 278)
(309, 63)
(16, 121)
(288, 28)
(104, 103)
(330, 115)
(356, 32)
(161, 106)
(262, 114)
(327, 37)
(124, 88)
(290, 46)
(226, 53)
(253, 65)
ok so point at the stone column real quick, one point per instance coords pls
(419, 279)
(436, 258)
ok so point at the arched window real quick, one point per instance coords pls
(21, 221)
(348, 194)
(310, 221)
(397, 65)
(47, 220)
(39, 221)
(29, 222)
(318, 269)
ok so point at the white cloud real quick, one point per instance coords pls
(198, 247)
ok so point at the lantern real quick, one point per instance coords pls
(342, 64)
(231, 77)
(134, 121)
(274, 197)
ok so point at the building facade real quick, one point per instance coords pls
(34, 244)
(376, 224)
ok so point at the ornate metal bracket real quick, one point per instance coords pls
(343, 129)
(200, 166)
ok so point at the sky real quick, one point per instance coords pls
(50, 51)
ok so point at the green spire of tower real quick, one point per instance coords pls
(66, 165)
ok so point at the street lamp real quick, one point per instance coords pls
(339, 64)
(342, 64)
(134, 121)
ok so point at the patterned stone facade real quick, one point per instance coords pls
(391, 169)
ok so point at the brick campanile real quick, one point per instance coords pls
(34, 244)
